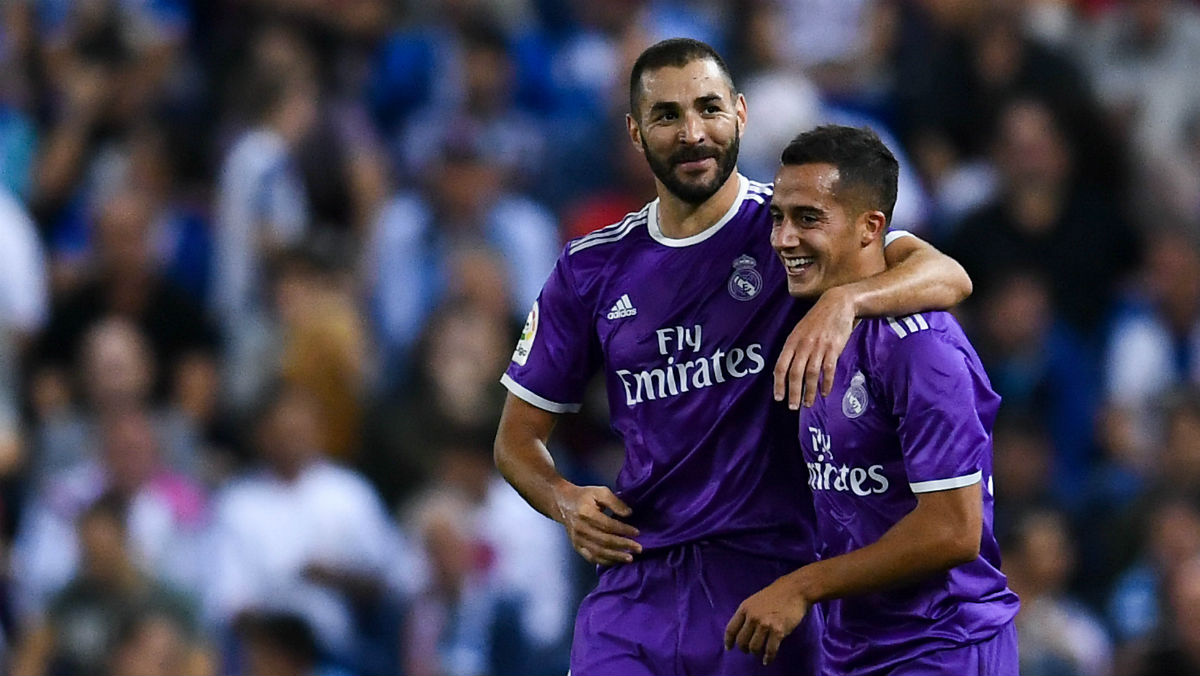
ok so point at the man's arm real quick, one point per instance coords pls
(522, 457)
(918, 277)
(943, 531)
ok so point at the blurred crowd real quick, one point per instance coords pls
(263, 261)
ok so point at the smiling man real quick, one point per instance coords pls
(684, 308)
(899, 454)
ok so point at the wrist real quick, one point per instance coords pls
(804, 584)
(562, 491)
(848, 297)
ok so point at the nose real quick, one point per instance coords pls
(784, 236)
(691, 131)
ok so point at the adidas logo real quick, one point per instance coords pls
(622, 308)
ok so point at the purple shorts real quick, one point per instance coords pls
(996, 656)
(666, 613)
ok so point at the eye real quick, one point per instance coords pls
(776, 218)
(712, 110)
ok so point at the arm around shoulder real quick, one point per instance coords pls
(919, 277)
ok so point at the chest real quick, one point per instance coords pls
(855, 424)
(710, 302)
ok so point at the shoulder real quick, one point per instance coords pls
(923, 337)
(341, 483)
(404, 216)
(256, 148)
(759, 192)
(607, 241)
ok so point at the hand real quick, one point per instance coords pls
(597, 537)
(765, 619)
(811, 350)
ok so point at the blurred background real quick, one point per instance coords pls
(263, 261)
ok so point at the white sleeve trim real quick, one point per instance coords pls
(894, 235)
(947, 484)
(541, 402)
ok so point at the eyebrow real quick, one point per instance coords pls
(663, 106)
(710, 98)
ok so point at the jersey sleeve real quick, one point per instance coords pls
(557, 352)
(936, 392)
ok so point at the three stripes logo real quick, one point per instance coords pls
(903, 326)
(622, 308)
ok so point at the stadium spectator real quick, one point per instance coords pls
(322, 346)
(126, 281)
(1059, 634)
(1033, 362)
(416, 238)
(452, 400)
(261, 208)
(1043, 210)
(23, 310)
(1177, 650)
(516, 143)
(459, 623)
(117, 373)
(1165, 535)
(1140, 57)
(1154, 342)
(303, 535)
(167, 512)
(111, 590)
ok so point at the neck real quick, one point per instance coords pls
(867, 263)
(679, 219)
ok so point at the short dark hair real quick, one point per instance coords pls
(282, 631)
(867, 170)
(111, 505)
(674, 53)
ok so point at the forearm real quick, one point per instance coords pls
(920, 279)
(919, 545)
(525, 462)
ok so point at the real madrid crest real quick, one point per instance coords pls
(745, 282)
(854, 403)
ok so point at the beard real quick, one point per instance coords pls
(689, 191)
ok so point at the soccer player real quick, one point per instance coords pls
(682, 305)
(899, 454)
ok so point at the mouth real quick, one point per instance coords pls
(796, 266)
(701, 164)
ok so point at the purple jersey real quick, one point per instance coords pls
(687, 332)
(911, 411)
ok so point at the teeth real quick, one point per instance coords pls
(798, 262)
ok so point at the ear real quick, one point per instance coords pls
(635, 133)
(871, 227)
(740, 110)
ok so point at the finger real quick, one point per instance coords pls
(796, 381)
(609, 499)
(829, 370)
(591, 554)
(772, 648)
(603, 522)
(598, 541)
(759, 640)
(610, 558)
(746, 633)
(586, 554)
(812, 372)
(734, 626)
(782, 366)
